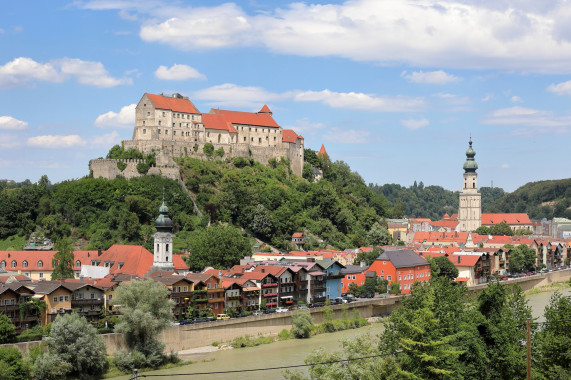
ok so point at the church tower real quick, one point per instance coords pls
(470, 205)
(162, 258)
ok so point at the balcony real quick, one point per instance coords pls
(270, 295)
(271, 285)
(6, 308)
(214, 300)
(87, 301)
(233, 298)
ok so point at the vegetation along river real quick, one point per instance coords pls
(292, 352)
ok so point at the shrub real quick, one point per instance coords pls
(121, 165)
(127, 361)
(51, 367)
(29, 335)
(302, 324)
(143, 167)
(12, 365)
(285, 334)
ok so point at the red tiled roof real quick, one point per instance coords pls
(444, 223)
(297, 235)
(265, 109)
(510, 219)
(465, 260)
(46, 257)
(217, 121)
(288, 135)
(322, 150)
(135, 259)
(247, 118)
(174, 104)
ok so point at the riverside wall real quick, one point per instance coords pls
(178, 338)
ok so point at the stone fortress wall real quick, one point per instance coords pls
(107, 168)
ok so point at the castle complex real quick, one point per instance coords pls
(171, 126)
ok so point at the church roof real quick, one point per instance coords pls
(322, 150)
(510, 219)
(470, 165)
(174, 104)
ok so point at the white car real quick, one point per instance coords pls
(281, 310)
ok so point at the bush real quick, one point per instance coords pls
(12, 366)
(29, 335)
(121, 165)
(302, 324)
(143, 167)
(127, 361)
(285, 334)
(7, 330)
(51, 367)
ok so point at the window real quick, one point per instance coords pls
(3, 264)
(174, 133)
(144, 131)
(78, 263)
(148, 113)
(159, 122)
(259, 139)
(66, 298)
(208, 286)
(173, 124)
(166, 132)
(384, 263)
(41, 275)
(55, 299)
(389, 278)
(143, 122)
(60, 298)
(159, 131)
(13, 264)
(164, 113)
(353, 277)
(24, 264)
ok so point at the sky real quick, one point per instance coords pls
(393, 88)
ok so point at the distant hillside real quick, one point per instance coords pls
(418, 201)
(542, 199)
(267, 202)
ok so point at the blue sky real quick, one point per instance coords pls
(394, 88)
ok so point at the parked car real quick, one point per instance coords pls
(222, 316)
(281, 310)
(199, 320)
(186, 322)
(350, 297)
(339, 300)
(368, 295)
(302, 307)
(257, 312)
(270, 311)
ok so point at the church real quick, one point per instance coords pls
(470, 215)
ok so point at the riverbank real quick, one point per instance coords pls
(560, 285)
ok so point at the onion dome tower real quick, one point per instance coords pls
(470, 205)
(162, 258)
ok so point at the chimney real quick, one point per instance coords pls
(99, 252)
(362, 263)
(263, 270)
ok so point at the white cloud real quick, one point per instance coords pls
(527, 117)
(505, 166)
(108, 139)
(431, 77)
(513, 35)
(516, 99)
(24, 71)
(349, 136)
(10, 123)
(231, 95)
(486, 98)
(563, 88)
(360, 101)
(56, 142)
(414, 124)
(178, 72)
(305, 126)
(124, 119)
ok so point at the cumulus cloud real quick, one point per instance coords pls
(414, 124)
(486, 98)
(108, 139)
(12, 124)
(522, 35)
(24, 71)
(124, 119)
(347, 136)
(178, 72)
(505, 166)
(55, 141)
(232, 95)
(563, 88)
(527, 117)
(360, 101)
(431, 77)
(516, 99)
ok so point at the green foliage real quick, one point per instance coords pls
(553, 341)
(126, 361)
(394, 288)
(146, 310)
(302, 324)
(143, 167)
(13, 243)
(286, 334)
(441, 266)
(12, 365)
(247, 341)
(121, 165)
(118, 152)
(521, 258)
(32, 334)
(379, 235)
(541, 199)
(51, 367)
(483, 230)
(501, 228)
(523, 232)
(220, 246)
(219, 152)
(7, 330)
(63, 259)
(75, 341)
(208, 150)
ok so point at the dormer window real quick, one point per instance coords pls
(24, 264)
(40, 264)
(13, 264)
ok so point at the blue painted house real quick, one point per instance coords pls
(333, 283)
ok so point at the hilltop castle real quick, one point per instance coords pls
(172, 126)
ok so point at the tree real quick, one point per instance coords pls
(379, 235)
(208, 150)
(521, 258)
(220, 245)
(63, 259)
(368, 257)
(73, 340)
(261, 224)
(554, 339)
(501, 229)
(302, 324)
(12, 365)
(146, 310)
(441, 266)
(7, 330)
(483, 230)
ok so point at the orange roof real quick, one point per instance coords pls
(33, 258)
(322, 150)
(462, 279)
(265, 109)
(444, 223)
(288, 135)
(217, 121)
(247, 118)
(297, 235)
(465, 260)
(174, 104)
(511, 219)
(134, 259)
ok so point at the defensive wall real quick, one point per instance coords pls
(178, 338)
(108, 168)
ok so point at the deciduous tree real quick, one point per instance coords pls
(63, 259)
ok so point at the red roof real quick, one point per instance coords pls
(217, 121)
(134, 259)
(322, 150)
(288, 135)
(298, 235)
(511, 219)
(445, 223)
(32, 258)
(247, 118)
(265, 109)
(174, 104)
(465, 260)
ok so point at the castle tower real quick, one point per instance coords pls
(470, 205)
(162, 258)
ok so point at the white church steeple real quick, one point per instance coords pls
(162, 257)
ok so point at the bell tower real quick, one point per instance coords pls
(470, 203)
(162, 257)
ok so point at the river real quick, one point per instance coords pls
(291, 352)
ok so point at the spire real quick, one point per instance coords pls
(322, 150)
(163, 222)
(470, 165)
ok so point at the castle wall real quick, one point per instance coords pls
(107, 168)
